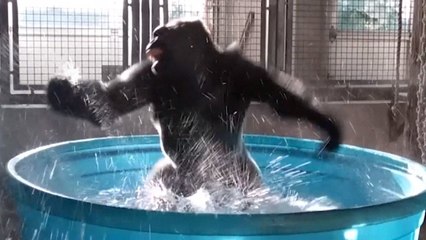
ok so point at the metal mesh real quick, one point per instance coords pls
(338, 42)
(350, 40)
(227, 21)
(51, 33)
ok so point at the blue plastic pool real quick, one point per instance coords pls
(382, 196)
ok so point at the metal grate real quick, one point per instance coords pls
(51, 33)
(350, 41)
(228, 21)
(337, 42)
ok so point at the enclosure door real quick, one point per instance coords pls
(351, 45)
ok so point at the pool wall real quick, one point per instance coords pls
(51, 216)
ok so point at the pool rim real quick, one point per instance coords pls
(267, 224)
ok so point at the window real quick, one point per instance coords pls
(378, 15)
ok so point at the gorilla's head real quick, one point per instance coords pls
(182, 43)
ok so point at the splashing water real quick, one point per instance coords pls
(227, 200)
(220, 199)
(68, 70)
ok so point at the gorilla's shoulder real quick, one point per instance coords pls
(234, 57)
(233, 53)
(234, 47)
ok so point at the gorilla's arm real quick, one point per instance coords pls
(263, 88)
(101, 103)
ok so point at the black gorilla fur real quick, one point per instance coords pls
(198, 97)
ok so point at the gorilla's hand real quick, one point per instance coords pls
(60, 94)
(80, 100)
(333, 130)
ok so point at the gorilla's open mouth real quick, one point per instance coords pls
(154, 54)
(155, 50)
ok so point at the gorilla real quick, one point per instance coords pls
(198, 97)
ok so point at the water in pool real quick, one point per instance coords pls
(284, 174)
(275, 197)
(296, 179)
